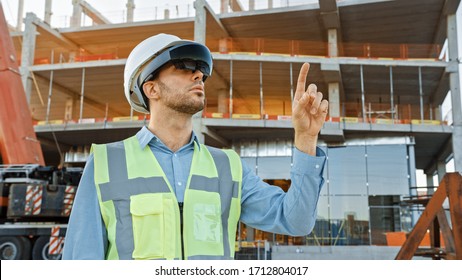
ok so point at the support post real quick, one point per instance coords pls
(48, 12)
(199, 22)
(50, 90)
(262, 106)
(332, 42)
(130, 10)
(82, 95)
(224, 5)
(334, 99)
(441, 169)
(421, 94)
(251, 5)
(363, 99)
(28, 53)
(454, 84)
(20, 15)
(76, 18)
(392, 103)
(230, 89)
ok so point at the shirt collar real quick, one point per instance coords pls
(145, 136)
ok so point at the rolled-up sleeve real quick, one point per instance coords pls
(269, 208)
(86, 237)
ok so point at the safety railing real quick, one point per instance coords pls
(375, 113)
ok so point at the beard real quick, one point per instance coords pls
(181, 100)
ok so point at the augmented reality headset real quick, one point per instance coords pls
(190, 55)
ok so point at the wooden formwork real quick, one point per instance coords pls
(434, 219)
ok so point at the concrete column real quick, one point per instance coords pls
(334, 100)
(166, 13)
(224, 5)
(270, 4)
(20, 14)
(454, 84)
(441, 169)
(130, 10)
(430, 180)
(199, 22)
(438, 113)
(332, 49)
(76, 18)
(48, 12)
(222, 100)
(251, 5)
(250, 233)
(199, 36)
(197, 126)
(28, 53)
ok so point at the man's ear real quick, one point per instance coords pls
(151, 89)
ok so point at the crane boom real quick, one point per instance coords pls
(18, 142)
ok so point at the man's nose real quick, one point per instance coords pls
(198, 75)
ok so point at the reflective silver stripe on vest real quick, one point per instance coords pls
(226, 187)
(119, 189)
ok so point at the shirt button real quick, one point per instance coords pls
(174, 155)
(317, 166)
(179, 183)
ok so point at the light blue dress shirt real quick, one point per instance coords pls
(263, 206)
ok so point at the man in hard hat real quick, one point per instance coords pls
(163, 195)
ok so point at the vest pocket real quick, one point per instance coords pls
(148, 225)
(203, 226)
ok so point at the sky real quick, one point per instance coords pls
(115, 12)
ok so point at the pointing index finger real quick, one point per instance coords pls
(301, 83)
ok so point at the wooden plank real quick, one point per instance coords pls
(446, 231)
(454, 192)
(417, 234)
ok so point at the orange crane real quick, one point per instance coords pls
(35, 200)
(18, 142)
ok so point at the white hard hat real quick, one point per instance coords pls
(154, 52)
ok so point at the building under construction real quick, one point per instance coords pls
(385, 67)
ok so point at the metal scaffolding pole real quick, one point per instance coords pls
(50, 89)
(291, 82)
(363, 101)
(230, 89)
(82, 94)
(392, 104)
(261, 91)
(421, 94)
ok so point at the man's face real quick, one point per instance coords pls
(181, 90)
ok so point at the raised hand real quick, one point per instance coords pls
(309, 112)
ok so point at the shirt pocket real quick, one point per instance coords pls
(148, 225)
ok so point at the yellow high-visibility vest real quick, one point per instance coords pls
(141, 213)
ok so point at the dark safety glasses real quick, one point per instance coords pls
(190, 55)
